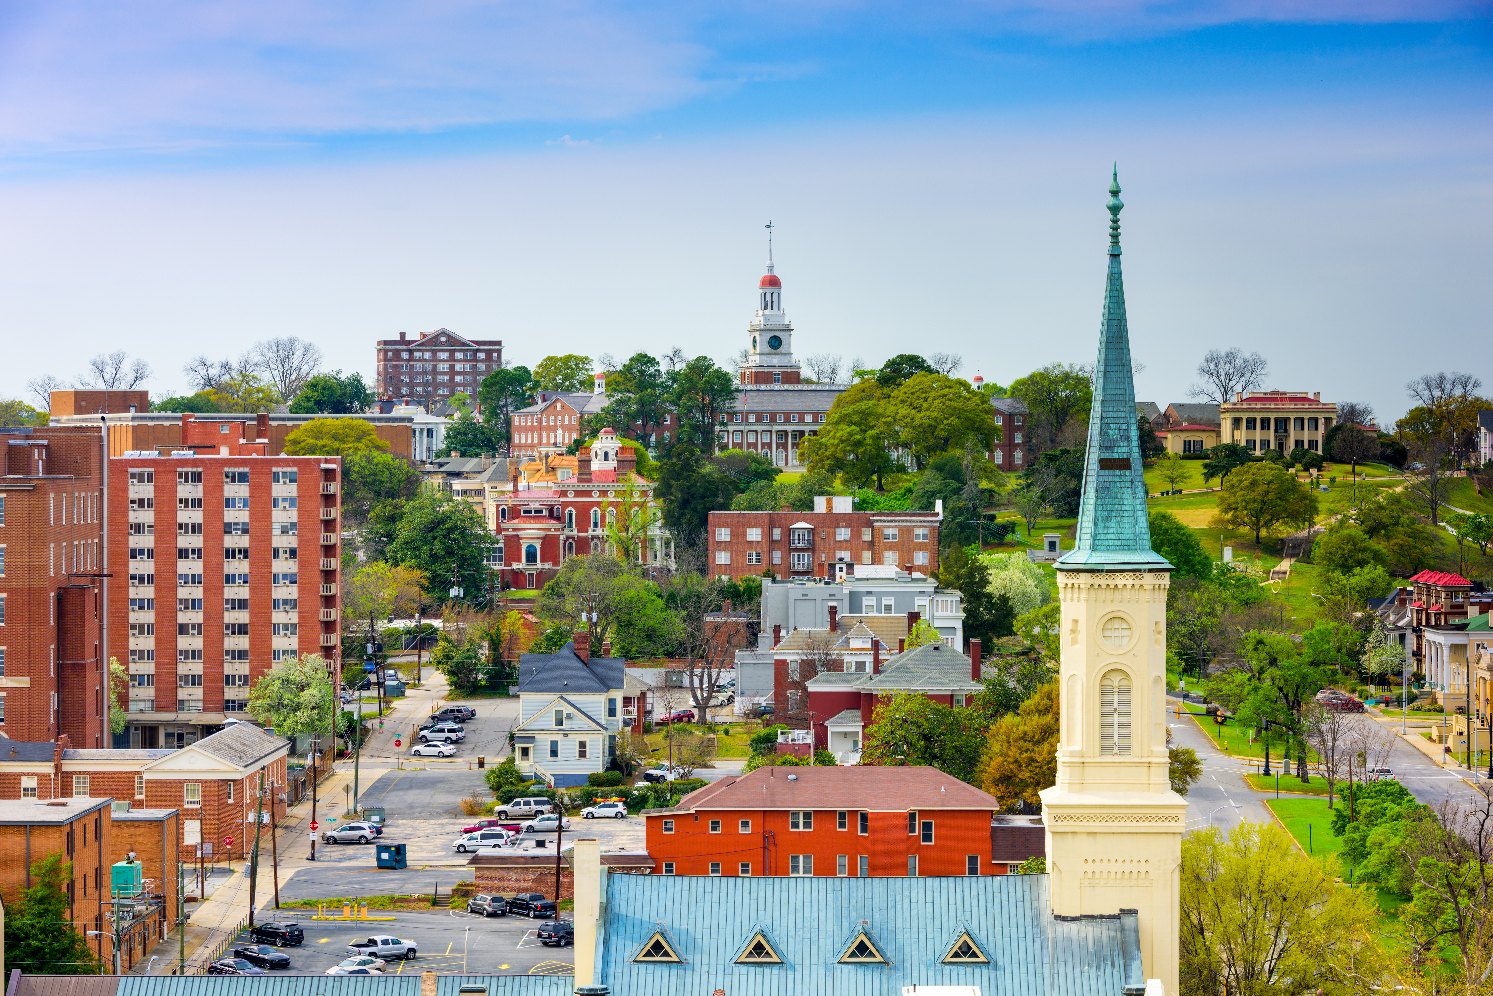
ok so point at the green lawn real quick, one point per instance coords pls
(1231, 738)
(733, 741)
(1309, 821)
(1286, 783)
(1463, 494)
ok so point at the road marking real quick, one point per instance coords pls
(448, 946)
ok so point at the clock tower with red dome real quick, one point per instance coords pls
(770, 354)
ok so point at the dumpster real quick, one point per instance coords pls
(481, 761)
(391, 856)
(374, 815)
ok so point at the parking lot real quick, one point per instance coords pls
(449, 942)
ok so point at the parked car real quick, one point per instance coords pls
(284, 935)
(532, 905)
(488, 905)
(433, 748)
(548, 823)
(262, 955)
(483, 824)
(382, 947)
(449, 732)
(454, 714)
(524, 806)
(233, 966)
(679, 716)
(722, 698)
(481, 840)
(1380, 774)
(614, 810)
(350, 833)
(663, 773)
(763, 710)
(556, 933)
(362, 961)
(1338, 701)
(355, 970)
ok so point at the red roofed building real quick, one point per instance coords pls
(1277, 420)
(1188, 438)
(859, 821)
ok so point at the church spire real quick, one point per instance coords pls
(1113, 531)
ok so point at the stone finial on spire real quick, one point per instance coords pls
(1115, 207)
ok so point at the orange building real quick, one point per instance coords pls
(830, 821)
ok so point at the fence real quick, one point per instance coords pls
(205, 956)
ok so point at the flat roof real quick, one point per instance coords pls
(21, 812)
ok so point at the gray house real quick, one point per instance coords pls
(569, 713)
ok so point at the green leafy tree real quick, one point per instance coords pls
(985, 617)
(1030, 502)
(912, 729)
(462, 664)
(1039, 628)
(567, 372)
(1172, 470)
(701, 393)
(446, 540)
(39, 936)
(1019, 758)
(294, 697)
(639, 398)
(643, 625)
(1011, 679)
(1375, 821)
(922, 634)
(744, 468)
(1344, 548)
(628, 517)
(1057, 398)
(119, 697)
(931, 414)
(469, 437)
(1259, 918)
(373, 476)
(1151, 446)
(1180, 546)
(1183, 766)
(1058, 475)
(244, 392)
(201, 403)
(15, 412)
(1391, 520)
(1223, 460)
(333, 393)
(690, 488)
(379, 591)
(333, 437)
(1478, 529)
(854, 442)
(1023, 583)
(1264, 496)
(591, 585)
(1346, 595)
(500, 394)
(901, 368)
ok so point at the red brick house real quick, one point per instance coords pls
(823, 543)
(430, 368)
(831, 821)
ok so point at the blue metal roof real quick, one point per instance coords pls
(810, 922)
(1114, 530)
(508, 985)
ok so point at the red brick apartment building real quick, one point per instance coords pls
(822, 542)
(225, 560)
(430, 368)
(829, 821)
(51, 672)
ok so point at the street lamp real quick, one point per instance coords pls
(113, 943)
(153, 959)
(1265, 739)
(466, 934)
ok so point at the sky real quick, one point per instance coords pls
(1310, 181)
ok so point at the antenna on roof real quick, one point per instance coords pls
(768, 226)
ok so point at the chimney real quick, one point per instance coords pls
(606, 648)
(404, 337)
(912, 619)
(974, 660)
(428, 984)
(834, 619)
(582, 643)
(262, 426)
(513, 478)
(901, 644)
(875, 656)
(777, 634)
(1316, 395)
(590, 885)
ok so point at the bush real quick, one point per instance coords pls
(605, 779)
(825, 757)
(503, 776)
(765, 741)
(473, 806)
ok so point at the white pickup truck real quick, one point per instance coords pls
(382, 947)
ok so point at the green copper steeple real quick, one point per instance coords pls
(1114, 531)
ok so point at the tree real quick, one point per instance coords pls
(462, 664)
(985, 617)
(1020, 755)
(629, 522)
(1454, 405)
(1030, 503)
(41, 389)
(931, 414)
(1259, 918)
(40, 939)
(203, 402)
(1226, 372)
(1151, 445)
(244, 392)
(1023, 583)
(1344, 596)
(567, 372)
(1057, 399)
(1428, 442)
(469, 437)
(117, 700)
(1478, 530)
(333, 437)
(1350, 440)
(703, 646)
(332, 394)
(287, 362)
(446, 540)
(1059, 476)
(690, 489)
(114, 372)
(1180, 546)
(1039, 628)
(1183, 767)
(638, 398)
(702, 392)
(824, 367)
(947, 364)
(900, 369)
(379, 591)
(1389, 518)
(643, 626)
(1262, 496)
(1172, 469)
(1344, 548)
(590, 589)
(922, 634)
(502, 393)
(294, 697)
(14, 412)
(370, 477)
(1223, 460)
(854, 442)
(912, 729)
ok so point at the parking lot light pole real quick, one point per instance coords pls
(465, 937)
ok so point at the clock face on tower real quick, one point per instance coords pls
(774, 342)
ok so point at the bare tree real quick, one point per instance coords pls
(1352, 442)
(1359, 413)
(818, 656)
(945, 363)
(206, 374)
(704, 646)
(674, 359)
(115, 372)
(825, 367)
(606, 363)
(287, 363)
(1226, 372)
(1333, 734)
(41, 389)
(1030, 502)
(1435, 389)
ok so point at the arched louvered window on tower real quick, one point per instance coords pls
(1114, 713)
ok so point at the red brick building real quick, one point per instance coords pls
(811, 544)
(51, 546)
(827, 820)
(430, 368)
(1013, 451)
(225, 560)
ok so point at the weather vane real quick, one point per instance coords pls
(768, 226)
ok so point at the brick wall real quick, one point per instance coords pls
(857, 537)
(85, 842)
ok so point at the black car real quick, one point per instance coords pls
(454, 714)
(283, 935)
(233, 966)
(556, 933)
(532, 905)
(262, 955)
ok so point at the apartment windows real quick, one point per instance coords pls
(235, 681)
(744, 869)
(141, 504)
(189, 681)
(189, 553)
(138, 656)
(142, 553)
(744, 826)
(191, 795)
(801, 562)
(235, 477)
(236, 655)
(283, 578)
(842, 820)
(182, 528)
(189, 605)
(912, 821)
(235, 605)
(889, 534)
(236, 528)
(142, 528)
(142, 605)
(912, 866)
(722, 534)
(229, 580)
(842, 533)
(715, 826)
(284, 503)
(800, 864)
(668, 867)
(863, 866)
(723, 556)
(971, 864)
(927, 831)
(28, 786)
(283, 529)
(554, 750)
(754, 557)
(142, 629)
(284, 629)
(236, 629)
(842, 865)
(188, 477)
(920, 534)
(800, 819)
(280, 553)
(864, 827)
(284, 604)
(189, 629)
(667, 827)
(282, 477)
(866, 534)
(920, 556)
(754, 535)
(80, 786)
(582, 749)
(239, 504)
(715, 868)
(142, 477)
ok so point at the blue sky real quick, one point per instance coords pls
(1308, 180)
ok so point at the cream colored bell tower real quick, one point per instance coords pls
(1114, 825)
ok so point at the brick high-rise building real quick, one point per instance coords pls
(430, 368)
(811, 544)
(225, 561)
(51, 672)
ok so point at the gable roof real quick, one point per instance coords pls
(1149, 410)
(887, 629)
(1441, 579)
(811, 920)
(1010, 406)
(242, 744)
(1195, 413)
(28, 750)
(1485, 420)
(881, 789)
(563, 673)
(542, 716)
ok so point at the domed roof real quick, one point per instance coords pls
(770, 280)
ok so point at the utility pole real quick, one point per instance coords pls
(275, 846)
(315, 742)
(419, 642)
(559, 839)
(181, 910)
(254, 859)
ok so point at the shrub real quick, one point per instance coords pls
(604, 779)
(473, 806)
(503, 776)
(825, 757)
(765, 741)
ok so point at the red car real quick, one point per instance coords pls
(679, 716)
(490, 824)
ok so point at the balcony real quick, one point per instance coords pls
(329, 589)
(328, 539)
(329, 563)
(328, 615)
(801, 539)
(328, 488)
(328, 515)
(329, 639)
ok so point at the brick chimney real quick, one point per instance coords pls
(834, 619)
(582, 642)
(901, 644)
(262, 426)
(606, 648)
(974, 660)
(875, 656)
(777, 634)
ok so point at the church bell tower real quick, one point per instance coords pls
(1113, 823)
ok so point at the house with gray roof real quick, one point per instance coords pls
(1188, 413)
(569, 713)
